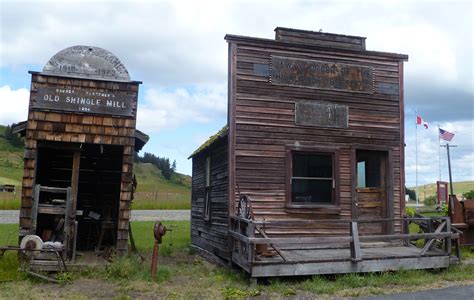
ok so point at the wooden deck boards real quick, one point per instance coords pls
(344, 254)
(338, 261)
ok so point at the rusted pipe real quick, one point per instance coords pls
(159, 231)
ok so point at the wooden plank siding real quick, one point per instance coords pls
(262, 126)
(71, 127)
(211, 235)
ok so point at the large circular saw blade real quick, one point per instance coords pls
(31, 244)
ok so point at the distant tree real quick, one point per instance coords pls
(468, 195)
(162, 163)
(411, 193)
(173, 166)
(13, 138)
(430, 200)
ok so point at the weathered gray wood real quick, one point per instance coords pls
(292, 240)
(34, 209)
(297, 269)
(431, 241)
(355, 243)
(297, 222)
(262, 232)
(50, 189)
(319, 114)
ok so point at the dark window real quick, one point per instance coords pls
(369, 170)
(207, 188)
(312, 180)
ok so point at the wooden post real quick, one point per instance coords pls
(448, 239)
(76, 160)
(355, 244)
(34, 209)
(154, 259)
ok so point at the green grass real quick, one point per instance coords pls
(181, 275)
(9, 263)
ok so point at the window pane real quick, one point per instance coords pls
(306, 191)
(207, 171)
(312, 165)
(372, 173)
(361, 174)
(369, 170)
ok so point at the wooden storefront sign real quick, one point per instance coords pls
(319, 114)
(85, 100)
(321, 75)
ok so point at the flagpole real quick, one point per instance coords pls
(439, 155)
(416, 159)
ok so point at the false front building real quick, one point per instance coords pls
(80, 140)
(312, 158)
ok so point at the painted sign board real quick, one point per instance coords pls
(321, 75)
(319, 114)
(82, 100)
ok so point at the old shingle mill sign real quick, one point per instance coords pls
(87, 63)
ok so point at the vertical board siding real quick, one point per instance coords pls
(211, 235)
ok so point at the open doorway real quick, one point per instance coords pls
(78, 195)
(371, 190)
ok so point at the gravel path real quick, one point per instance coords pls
(455, 292)
(11, 216)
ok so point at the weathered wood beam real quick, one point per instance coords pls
(355, 244)
(431, 241)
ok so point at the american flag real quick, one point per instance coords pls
(445, 135)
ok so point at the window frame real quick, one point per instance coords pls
(207, 189)
(335, 154)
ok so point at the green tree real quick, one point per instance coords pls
(13, 138)
(468, 195)
(431, 200)
(411, 193)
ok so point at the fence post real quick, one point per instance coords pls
(448, 239)
(355, 244)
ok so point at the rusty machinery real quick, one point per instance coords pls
(31, 247)
(159, 230)
(462, 218)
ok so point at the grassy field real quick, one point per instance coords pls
(183, 275)
(458, 187)
(154, 191)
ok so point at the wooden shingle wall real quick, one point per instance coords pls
(61, 126)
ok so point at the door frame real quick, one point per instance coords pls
(389, 213)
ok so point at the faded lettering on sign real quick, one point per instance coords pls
(321, 75)
(311, 113)
(84, 100)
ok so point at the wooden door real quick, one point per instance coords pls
(371, 190)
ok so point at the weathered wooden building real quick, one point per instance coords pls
(80, 140)
(312, 158)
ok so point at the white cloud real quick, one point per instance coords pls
(168, 109)
(432, 159)
(14, 105)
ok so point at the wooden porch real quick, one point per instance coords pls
(263, 256)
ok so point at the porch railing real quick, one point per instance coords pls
(247, 234)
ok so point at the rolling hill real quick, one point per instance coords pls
(153, 191)
(430, 189)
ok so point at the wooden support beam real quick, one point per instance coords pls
(355, 244)
(76, 160)
(431, 241)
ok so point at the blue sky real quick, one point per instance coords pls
(177, 49)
